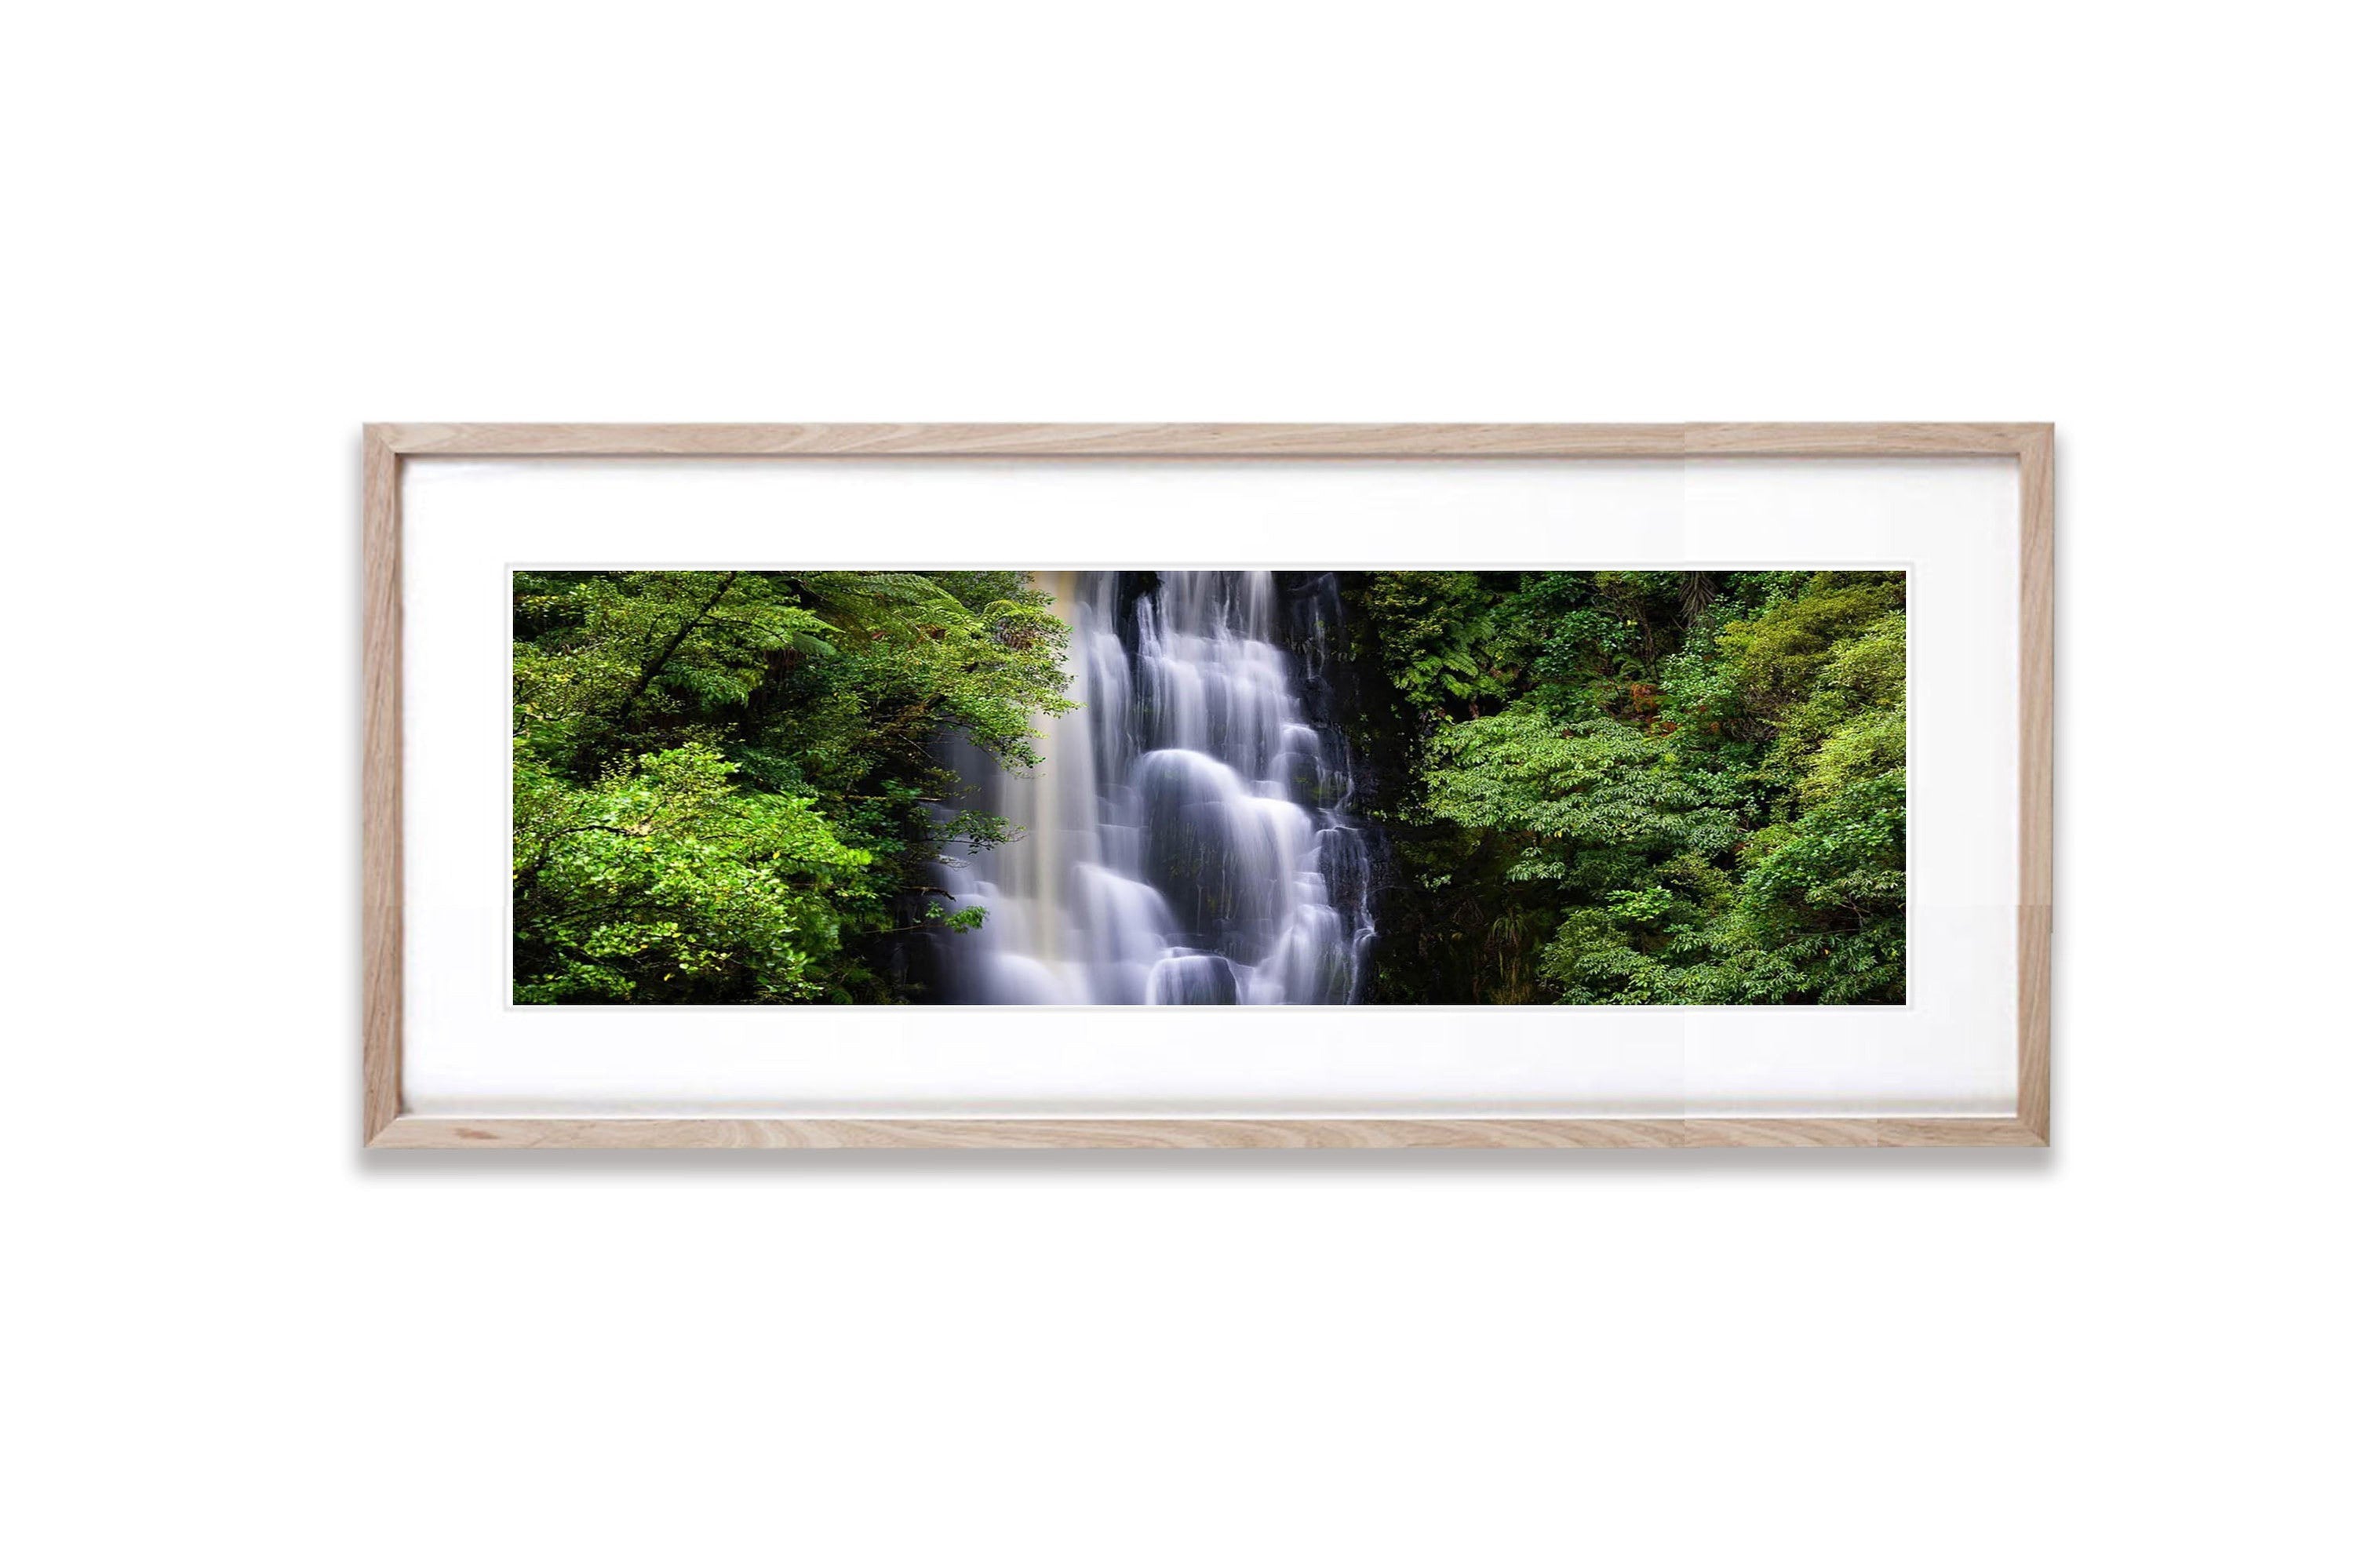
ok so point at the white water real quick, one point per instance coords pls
(1187, 838)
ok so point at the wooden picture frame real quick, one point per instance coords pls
(385, 448)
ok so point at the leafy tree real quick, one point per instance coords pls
(1647, 787)
(728, 784)
(666, 883)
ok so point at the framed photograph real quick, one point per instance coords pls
(1046, 786)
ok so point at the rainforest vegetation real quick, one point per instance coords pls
(1636, 786)
(1585, 786)
(725, 782)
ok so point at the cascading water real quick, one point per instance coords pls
(1187, 832)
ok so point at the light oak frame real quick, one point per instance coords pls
(385, 447)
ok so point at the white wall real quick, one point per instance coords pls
(240, 230)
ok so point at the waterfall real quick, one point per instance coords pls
(1188, 837)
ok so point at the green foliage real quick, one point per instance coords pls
(1439, 641)
(666, 883)
(726, 786)
(1656, 787)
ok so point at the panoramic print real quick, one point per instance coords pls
(1380, 788)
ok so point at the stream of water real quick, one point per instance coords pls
(1189, 836)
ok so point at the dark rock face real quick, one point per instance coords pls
(1335, 698)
